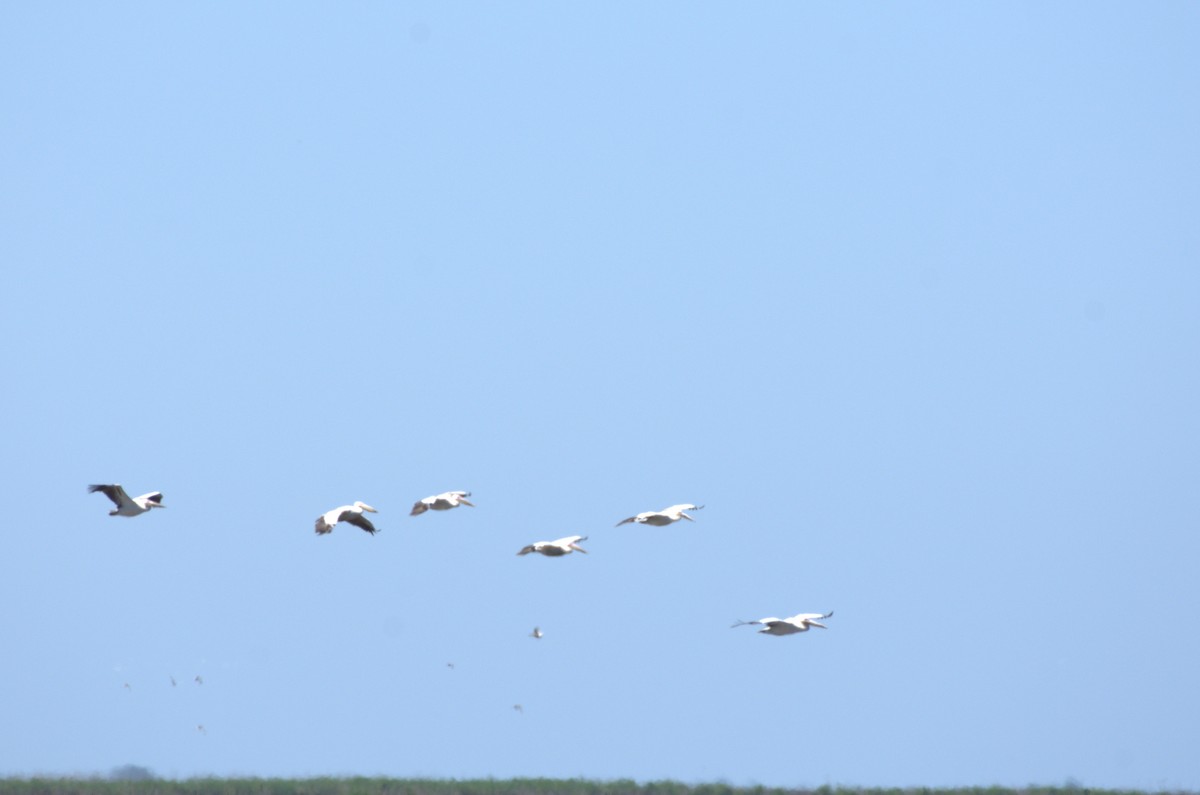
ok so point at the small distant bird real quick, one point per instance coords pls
(351, 514)
(441, 502)
(127, 687)
(557, 548)
(450, 666)
(664, 517)
(519, 708)
(125, 505)
(199, 679)
(537, 633)
(200, 728)
(172, 681)
(800, 622)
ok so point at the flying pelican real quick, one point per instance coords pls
(557, 548)
(789, 626)
(126, 506)
(537, 633)
(664, 517)
(346, 513)
(441, 502)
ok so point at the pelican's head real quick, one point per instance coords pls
(363, 506)
(575, 545)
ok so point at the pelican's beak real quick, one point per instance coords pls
(685, 516)
(466, 502)
(816, 624)
(369, 508)
(579, 549)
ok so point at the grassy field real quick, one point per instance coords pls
(533, 786)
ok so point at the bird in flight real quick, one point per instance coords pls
(664, 517)
(537, 633)
(801, 622)
(351, 514)
(125, 505)
(441, 502)
(556, 548)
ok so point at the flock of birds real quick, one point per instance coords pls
(355, 514)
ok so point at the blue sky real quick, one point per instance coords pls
(904, 294)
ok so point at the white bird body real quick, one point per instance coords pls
(351, 514)
(442, 502)
(125, 505)
(801, 622)
(556, 548)
(664, 517)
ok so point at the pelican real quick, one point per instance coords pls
(126, 506)
(664, 517)
(557, 548)
(441, 502)
(537, 633)
(801, 622)
(346, 513)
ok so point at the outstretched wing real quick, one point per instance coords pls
(626, 521)
(527, 549)
(322, 526)
(800, 618)
(419, 508)
(115, 493)
(358, 520)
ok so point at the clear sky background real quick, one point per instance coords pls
(905, 294)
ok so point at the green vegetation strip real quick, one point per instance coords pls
(527, 786)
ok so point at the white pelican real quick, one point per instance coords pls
(346, 513)
(557, 548)
(789, 626)
(537, 633)
(126, 506)
(441, 502)
(664, 517)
